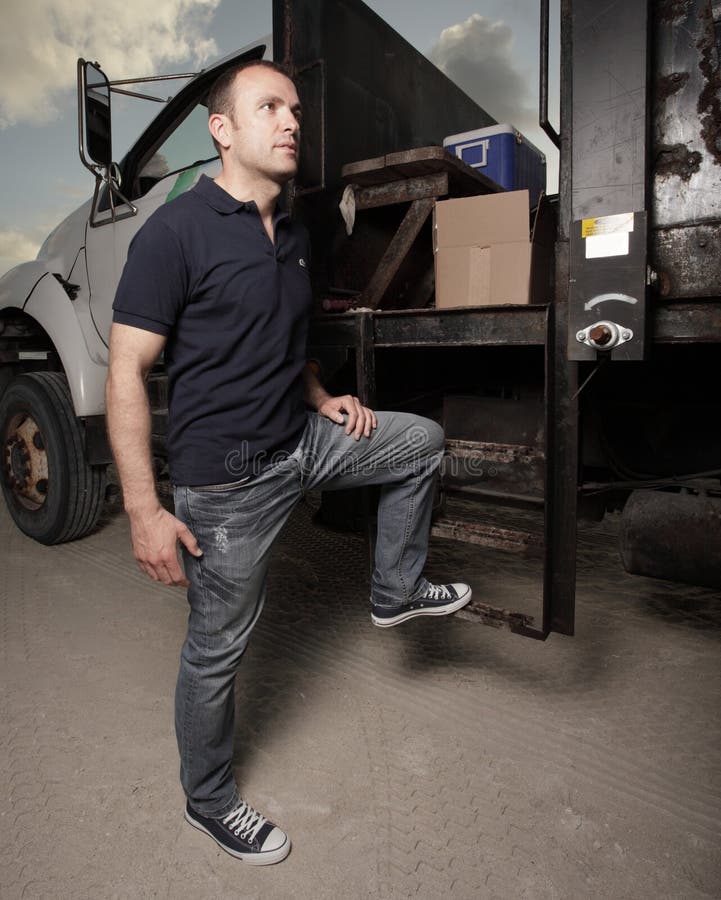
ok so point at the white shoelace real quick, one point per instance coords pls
(439, 592)
(246, 820)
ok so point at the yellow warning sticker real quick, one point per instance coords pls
(607, 225)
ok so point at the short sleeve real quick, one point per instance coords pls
(154, 285)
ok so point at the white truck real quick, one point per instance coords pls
(55, 312)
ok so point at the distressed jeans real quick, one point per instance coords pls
(236, 527)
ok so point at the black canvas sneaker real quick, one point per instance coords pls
(245, 834)
(437, 600)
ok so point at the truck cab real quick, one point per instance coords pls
(56, 311)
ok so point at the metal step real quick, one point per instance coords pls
(482, 613)
(510, 474)
(500, 528)
(491, 536)
(503, 498)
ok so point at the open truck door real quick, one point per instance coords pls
(167, 159)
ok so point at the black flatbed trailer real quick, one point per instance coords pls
(640, 98)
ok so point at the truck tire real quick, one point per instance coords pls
(51, 491)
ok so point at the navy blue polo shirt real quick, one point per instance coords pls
(235, 310)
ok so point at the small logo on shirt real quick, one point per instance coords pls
(302, 263)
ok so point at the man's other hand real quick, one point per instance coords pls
(359, 420)
(155, 536)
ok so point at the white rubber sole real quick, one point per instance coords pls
(267, 858)
(427, 611)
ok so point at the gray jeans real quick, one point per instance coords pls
(236, 528)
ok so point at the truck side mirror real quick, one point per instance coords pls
(95, 99)
(95, 144)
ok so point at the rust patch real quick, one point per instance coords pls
(673, 10)
(492, 536)
(669, 85)
(677, 159)
(288, 35)
(476, 611)
(709, 101)
(664, 284)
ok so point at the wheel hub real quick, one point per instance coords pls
(25, 462)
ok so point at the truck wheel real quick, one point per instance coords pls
(51, 491)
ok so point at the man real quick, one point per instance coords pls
(218, 278)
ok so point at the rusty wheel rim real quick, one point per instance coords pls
(25, 461)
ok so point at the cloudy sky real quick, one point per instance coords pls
(490, 48)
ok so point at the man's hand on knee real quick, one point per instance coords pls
(359, 420)
(155, 535)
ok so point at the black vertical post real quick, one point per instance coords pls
(366, 360)
(610, 101)
(562, 426)
(365, 364)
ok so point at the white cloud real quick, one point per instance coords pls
(479, 55)
(77, 192)
(41, 40)
(16, 247)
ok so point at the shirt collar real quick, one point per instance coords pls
(215, 196)
(224, 203)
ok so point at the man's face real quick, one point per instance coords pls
(265, 129)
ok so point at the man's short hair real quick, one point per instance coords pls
(220, 96)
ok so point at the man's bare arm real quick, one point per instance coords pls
(360, 420)
(154, 530)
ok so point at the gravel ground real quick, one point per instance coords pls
(439, 759)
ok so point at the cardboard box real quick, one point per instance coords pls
(484, 255)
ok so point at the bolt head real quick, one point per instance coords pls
(581, 336)
(601, 335)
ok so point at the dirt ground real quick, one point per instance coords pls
(438, 759)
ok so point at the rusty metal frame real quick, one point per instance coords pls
(365, 331)
(562, 425)
(401, 191)
(424, 122)
(418, 177)
(396, 251)
(688, 323)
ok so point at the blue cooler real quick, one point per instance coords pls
(504, 155)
